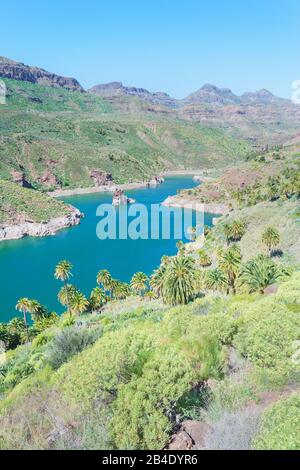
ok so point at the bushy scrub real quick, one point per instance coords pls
(17, 367)
(68, 342)
(96, 373)
(289, 292)
(36, 416)
(140, 412)
(268, 341)
(280, 426)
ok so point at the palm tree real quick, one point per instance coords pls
(271, 238)
(79, 303)
(259, 273)
(139, 283)
(204, 258)
(63, 271)
(105, 280)
(120, 290)
(179, 284)
(24, 305)
(66, 295)
(157, 279)
(230, 263)
(215, 279)
(150, 295)
(97, 298)
(237, 229)
(227, 233)
(37, 310)
(234, 231)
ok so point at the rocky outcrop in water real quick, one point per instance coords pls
(120, 198)
(19, 71)
(155, 181)
(14, 232)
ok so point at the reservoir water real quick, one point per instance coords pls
(27, 265)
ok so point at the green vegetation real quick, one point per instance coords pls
(22, 204)
(57, 137)
(147, 365)
(212, 330)
(280, 426)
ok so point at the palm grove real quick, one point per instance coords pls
(178, 280)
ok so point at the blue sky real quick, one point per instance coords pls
(169, 45)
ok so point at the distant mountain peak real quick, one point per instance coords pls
(114, 89)
(19, 71)
(211, 94)
(262, 96)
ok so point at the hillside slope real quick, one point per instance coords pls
(58, 138)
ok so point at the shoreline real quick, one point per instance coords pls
(215, 209)
(39, 229)
(97, 189)
(110, 188)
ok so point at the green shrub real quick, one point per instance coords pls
(140, 419)
(280, 426)
(68, 342)
(267, 341)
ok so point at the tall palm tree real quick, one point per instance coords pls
(37, 310)
(66, 295)
(120, 290)
(259, 273)
(157, 279)
(24, 305)
(234, 231)
(97, 298)
(105, 280)
(237, 229)
(215, 279)
(230, 263)
(139, 283)
(271, 238)
(79, 303)
(63, 271)
(179, 285)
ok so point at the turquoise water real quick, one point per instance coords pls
(27, 265)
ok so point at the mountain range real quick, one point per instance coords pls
(208, 94)
(55, 134)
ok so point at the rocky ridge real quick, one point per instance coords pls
(19, 71)
(117, 89)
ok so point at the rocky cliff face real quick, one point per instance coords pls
(14, 232)
(20, 71)
(120, 198)
(115, 89)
